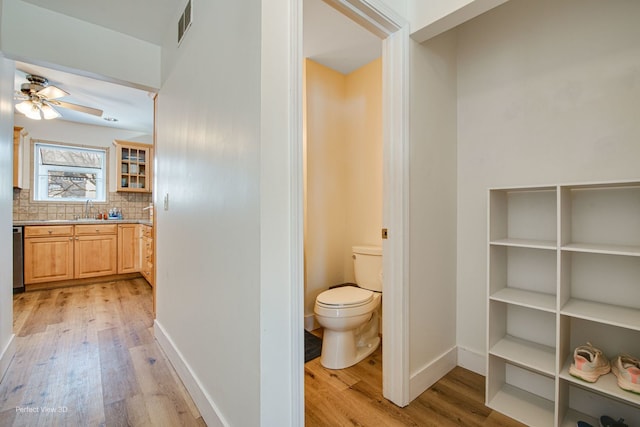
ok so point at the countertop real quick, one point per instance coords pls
(81, 221)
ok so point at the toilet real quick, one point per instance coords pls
(349, 314)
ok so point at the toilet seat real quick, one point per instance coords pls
(344, 297)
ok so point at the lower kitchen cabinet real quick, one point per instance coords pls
(48, 254)
(95, 250)
(147, 268)
(67, 252)
(129, 243)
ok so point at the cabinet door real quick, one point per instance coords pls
(147, 259)
(48, 259)
(134, 160)
(128, 248)
(95, 256)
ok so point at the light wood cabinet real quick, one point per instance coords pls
(147, 254)
(48, 254)
(95, 251)
(133, 166)
(563, 269)
(18, 136)
(129, 245)
(66, 252)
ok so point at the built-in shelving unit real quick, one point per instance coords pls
(563, 269)
(133, 166)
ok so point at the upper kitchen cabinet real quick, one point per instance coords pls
(18, 137)
(133, 166)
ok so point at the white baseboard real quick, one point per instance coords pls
(310, 322)
(431, 373)
(208, 409)
(472, 361)
(7, 355)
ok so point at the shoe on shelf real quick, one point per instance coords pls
(589, 363)
(584, 424)
(607, 421)
(627, 369)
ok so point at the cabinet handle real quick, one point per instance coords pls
(77, 238)
(70, 238)
(50, 231)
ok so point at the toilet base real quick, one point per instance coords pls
(341, 349)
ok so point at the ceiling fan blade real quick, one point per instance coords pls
(80, 108)
(52, 92)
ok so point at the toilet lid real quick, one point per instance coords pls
(345, 296)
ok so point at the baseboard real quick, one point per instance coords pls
(208, 409)
(472, 361)
(7, 355)
(310, 322)
(431, 373)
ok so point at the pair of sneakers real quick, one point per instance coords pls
(589, 363)
(605, 421)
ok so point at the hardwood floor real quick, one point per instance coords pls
(353, 397)
(86, 356)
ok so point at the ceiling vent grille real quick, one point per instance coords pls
(184, 23)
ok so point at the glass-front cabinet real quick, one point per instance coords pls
(133, 166)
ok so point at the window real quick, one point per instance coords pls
(69, 174)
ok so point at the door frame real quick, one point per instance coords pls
(393, 30)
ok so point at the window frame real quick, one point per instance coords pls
(40, 193)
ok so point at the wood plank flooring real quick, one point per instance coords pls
(86, 356)
(353, 397)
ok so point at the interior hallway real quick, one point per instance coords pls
(86, 356)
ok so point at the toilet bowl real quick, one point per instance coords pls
(349, 314)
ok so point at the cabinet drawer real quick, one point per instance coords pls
(93, 229)
(48, 230)
(147, 231)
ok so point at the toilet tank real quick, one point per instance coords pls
(367, 264)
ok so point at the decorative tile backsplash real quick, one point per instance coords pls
(25, 209)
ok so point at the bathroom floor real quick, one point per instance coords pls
(353, 396)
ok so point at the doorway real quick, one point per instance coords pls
(393, 32)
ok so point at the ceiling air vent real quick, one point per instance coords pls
(184, 22)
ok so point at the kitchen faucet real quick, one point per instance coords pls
(87, 208)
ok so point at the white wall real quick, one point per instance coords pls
(53, 39)
(433, 17)
(7, 71)
(432, 239)
(73, 133)
(208, 241)
(548, 92)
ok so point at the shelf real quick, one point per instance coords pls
(529, 299)
(525, 243)
(526, 354)
(603, 249)
(523, 406)
(603, 313)
(606, 384)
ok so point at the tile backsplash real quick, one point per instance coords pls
(25, 209)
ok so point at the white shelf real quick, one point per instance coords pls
(603, 249)
(523, 406)
(603, 313)
(563, 268)
(529, 299)
(525, 243)
(606, 384)
(526, 354)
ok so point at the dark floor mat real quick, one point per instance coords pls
(312, 346)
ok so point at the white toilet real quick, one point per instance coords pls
(349, 314)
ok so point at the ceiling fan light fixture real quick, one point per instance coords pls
(48, 112)
(29, 109)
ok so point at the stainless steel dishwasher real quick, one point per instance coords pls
(18, 265)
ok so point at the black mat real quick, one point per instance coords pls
(312, 346)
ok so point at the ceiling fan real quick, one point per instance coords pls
(39, 100)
